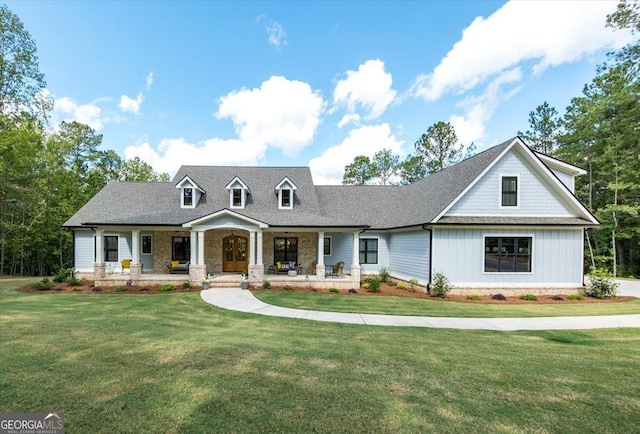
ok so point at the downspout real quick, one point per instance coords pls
(430, 255)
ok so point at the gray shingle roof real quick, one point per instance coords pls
(377, 207)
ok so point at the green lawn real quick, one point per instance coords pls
(171, 363)
(426, 307)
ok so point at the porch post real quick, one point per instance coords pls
(201, 248)
(135, 267)
(99, 267)
(259, 250)
(355, 262)
(320, 261)
(252, 248)
(193, 246)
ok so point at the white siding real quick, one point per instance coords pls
(409, 255)
(556, 257)
(83, 250)
(566, 179)
(535, 197)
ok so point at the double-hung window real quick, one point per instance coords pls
(111, 248)
(181, 249)
(368, 250)
(507, 254)
(509, 185)
(285, 249)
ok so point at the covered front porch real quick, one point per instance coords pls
(221, 247)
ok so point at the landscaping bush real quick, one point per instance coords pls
(186, 285)
(334, 290)
(473, 297)
(575, 297)
(62, 275)
(121, 288)
(601, 287)
(384, 274)
(401, 285)
(440, 286)
(166, 287)
(77, 288)
(530, 297)
(287, 287)
(266, 284)
(374, 283)
(73, 281)
(413, 283)
(365, 285)
(43, 285)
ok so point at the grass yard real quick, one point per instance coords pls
(427, 307)
(171, 363)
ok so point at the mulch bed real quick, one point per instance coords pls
(385, 290)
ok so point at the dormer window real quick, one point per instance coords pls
(190, 193)
(509, 191)
(285, 191)
(187, 197)
(238, 192)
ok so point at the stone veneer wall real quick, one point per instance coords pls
(213, 247)
(162, 248)
(307, 248)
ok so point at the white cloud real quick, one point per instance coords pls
(170, 154)
(277, 35)
(349, 118)
(281, 113)
(149, 80)
(131, 105)
(479, 109)
(368, 88)
(68, 110)
(548, 33)
(328, 168)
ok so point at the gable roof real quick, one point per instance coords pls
(364, 206)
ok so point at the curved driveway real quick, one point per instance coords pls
(244, 301)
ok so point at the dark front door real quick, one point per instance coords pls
(235, 253)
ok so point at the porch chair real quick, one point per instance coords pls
(339, 269)
(125, 263)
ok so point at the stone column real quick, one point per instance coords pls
(99, 267)
(320, 270)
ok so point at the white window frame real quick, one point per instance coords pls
(330, 246)
(280, 198)
(242, 198)
(193, 197)
(142, 244)
(513, 273)
(518, 188)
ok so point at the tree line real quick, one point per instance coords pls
(46, 172)
(599, 132)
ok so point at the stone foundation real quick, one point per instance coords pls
(197, 273)
(99, 270)
(256, 273)
(517, 291)
(135, 271)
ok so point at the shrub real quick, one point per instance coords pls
(374, 283)
(473, 297)
(186, 285)
(530, 297)
(384, 274)
(43, 285)
(77, 288)
(73, 281)
(334, 290)
(575, 297)
(365, 285)
(440, 286)
(266, 284)
(62, 275)
(287, 287)
(413, 283)
(601, 287)
(166, 287)
(401, 285)
(121, 288)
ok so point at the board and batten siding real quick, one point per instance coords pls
(534, 196)
(409, 255)
(83, 250)
(556, 259)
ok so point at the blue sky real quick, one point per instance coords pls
(309, 83)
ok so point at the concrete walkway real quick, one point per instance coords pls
(244, 301)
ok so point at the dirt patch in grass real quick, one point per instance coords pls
(390, 290)
(87, 287)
